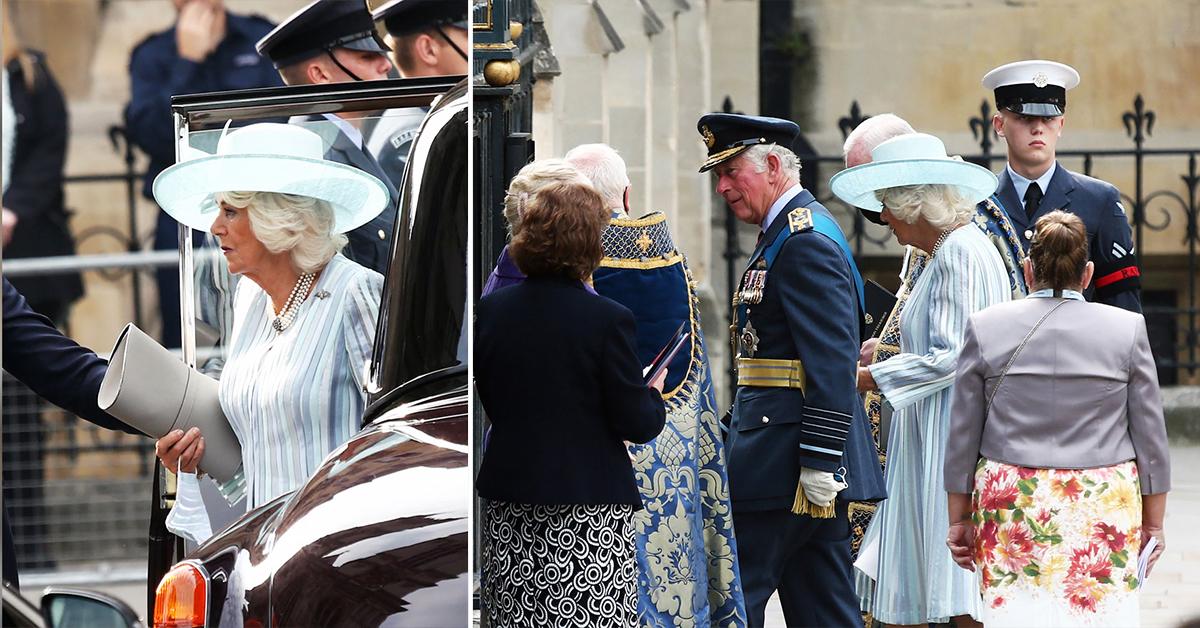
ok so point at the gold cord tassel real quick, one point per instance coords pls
(804, 507)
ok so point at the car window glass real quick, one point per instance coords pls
(384, 138)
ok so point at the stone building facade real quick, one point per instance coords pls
(638, 74)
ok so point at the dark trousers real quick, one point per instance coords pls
(807, 560)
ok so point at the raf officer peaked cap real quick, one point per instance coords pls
(319, 27)
(401, 17)
(727, 135)
(1032, 88)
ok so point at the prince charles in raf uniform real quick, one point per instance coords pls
(798, 446)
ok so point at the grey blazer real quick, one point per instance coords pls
(1083, 393)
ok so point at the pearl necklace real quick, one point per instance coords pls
(941, 239)
(298, 295)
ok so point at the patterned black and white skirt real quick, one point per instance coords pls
(558, 565)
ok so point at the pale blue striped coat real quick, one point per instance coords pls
(918, 581)
(295, 396)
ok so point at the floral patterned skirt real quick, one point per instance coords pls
(1057, 547)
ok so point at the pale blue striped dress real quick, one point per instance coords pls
(918, 582)
(295, 396)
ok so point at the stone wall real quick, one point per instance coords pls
(637, 75)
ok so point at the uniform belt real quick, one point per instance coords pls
(770, 373)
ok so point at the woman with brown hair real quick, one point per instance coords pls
(1057, 464)
(557, 372)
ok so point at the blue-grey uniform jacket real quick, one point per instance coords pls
(809, 311)
(1117, 280)
(369, 244)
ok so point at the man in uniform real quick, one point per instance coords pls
(207, 50)
(1031, 97)
(798, 446)
(334, 41)
(428, 38)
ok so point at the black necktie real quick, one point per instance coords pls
(1033, 196)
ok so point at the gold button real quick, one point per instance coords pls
(766, 420)
(382, 235)
(1029, 234)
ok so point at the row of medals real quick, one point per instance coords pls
(751, 293)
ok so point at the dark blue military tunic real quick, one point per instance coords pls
(808, 312)
(1117, 280)
(369, 244)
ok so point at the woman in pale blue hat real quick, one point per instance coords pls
(293, 384)
(926, 197)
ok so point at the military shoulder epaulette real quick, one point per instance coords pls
(800, 219)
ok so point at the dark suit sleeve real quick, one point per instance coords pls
(1147, 428)
(967, 415)
(52, 365)
(1118, 278)
(634, 411)
(35, 184)
(821, 307)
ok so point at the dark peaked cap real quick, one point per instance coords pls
(728, 135)
(401, 17)
(321, 26)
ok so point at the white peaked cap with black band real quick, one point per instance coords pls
(1032, 88)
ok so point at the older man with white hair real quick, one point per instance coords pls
(687, 554)
(799, 450)
(605, 168)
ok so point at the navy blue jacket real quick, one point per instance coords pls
(557, 371)
(809, 311)
(57, 369)
(368, 244)
(52, 365)
(157, 72)
(1117, 281)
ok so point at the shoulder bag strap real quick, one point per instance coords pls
(1000, 380)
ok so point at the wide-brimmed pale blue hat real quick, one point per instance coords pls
(911, 159)
(268, 157)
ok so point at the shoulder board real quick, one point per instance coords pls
(800, 219)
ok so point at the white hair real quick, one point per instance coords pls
(871, 133)
(299, 225)
(788, 161)
(942, 206)
(603, 166)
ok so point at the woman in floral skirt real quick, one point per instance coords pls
(1057, 463)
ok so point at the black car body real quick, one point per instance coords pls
(378, 535)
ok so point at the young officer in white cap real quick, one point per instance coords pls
(1031, 97)
(334, 41)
